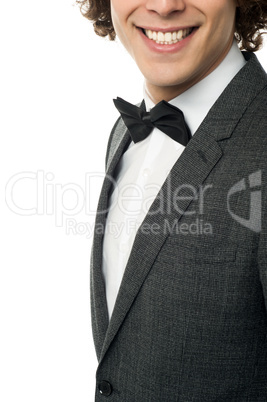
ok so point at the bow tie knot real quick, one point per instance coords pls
(164, 116)
(146, 118)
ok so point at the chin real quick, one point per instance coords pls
(164, 82)
(165, 76)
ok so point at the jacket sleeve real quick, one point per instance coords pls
(262, 250)
(110, 141)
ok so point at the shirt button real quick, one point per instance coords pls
(146, 172)
(105, 388)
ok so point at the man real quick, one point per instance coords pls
(179, 299)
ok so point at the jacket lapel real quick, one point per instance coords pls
(198, 159)
(192, 168)
(99, 310)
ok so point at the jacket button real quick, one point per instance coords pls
(105, 388)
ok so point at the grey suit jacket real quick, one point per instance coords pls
(190, 320)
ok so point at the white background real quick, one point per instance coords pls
(56, 75)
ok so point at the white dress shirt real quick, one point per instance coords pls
(144, 167)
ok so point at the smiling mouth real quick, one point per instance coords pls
(168, 38)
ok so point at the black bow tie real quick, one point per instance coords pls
(164, 116)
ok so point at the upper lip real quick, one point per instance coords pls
(170, 29)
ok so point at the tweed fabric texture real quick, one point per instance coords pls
(190, 320)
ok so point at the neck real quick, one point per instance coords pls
(157, 94)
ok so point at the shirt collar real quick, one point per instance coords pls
(197, 100)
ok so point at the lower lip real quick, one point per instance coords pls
(172, 48)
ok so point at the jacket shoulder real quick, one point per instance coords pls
(115, 135)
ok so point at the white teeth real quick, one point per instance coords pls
(161, 36)
(168, 38)
(149, 34)
(180, 34)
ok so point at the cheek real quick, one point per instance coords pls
(121, 10)
(115, 15)
(119, 15)
(223, 16)
(221, 27)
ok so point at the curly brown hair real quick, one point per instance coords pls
(251, 20)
